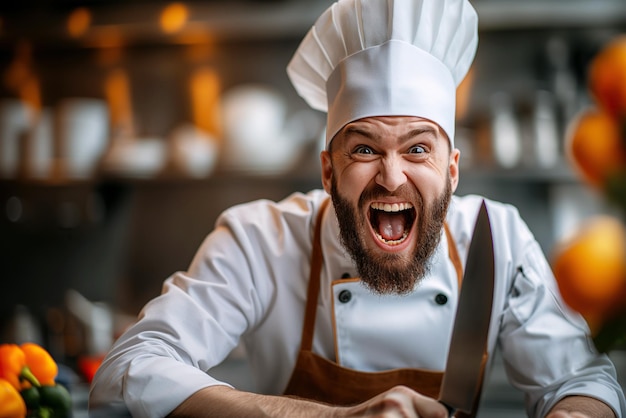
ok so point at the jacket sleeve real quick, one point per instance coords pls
(202, 314)
(190, 328)
(545, 345)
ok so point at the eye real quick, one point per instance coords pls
(417, 149)
(363, 149)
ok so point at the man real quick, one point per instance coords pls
(347, 308)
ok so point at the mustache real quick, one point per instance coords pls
(376, 191)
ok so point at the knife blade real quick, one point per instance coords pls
(462, 380)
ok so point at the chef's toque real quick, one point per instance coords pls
(386, 58)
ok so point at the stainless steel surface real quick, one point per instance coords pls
(464, 369)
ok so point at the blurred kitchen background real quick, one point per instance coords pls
(127, 126)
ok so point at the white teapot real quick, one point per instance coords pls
(259, 135)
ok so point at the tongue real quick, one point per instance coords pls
(390, 226)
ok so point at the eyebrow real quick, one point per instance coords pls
(355, 130)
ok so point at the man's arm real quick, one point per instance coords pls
(581, 407)
(225, 402)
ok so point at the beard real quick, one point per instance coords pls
(391, 273)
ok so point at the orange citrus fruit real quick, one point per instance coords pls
(590, 268)
(594, 146)
(607, 77)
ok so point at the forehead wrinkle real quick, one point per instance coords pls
(357, 130)
(417, 132)
(376, 136)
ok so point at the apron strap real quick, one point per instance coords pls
(453, 253)
(317, 259)
(313, 290)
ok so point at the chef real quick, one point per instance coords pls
(344, 298)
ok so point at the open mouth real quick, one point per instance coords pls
(391, 222)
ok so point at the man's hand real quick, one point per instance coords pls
(399, 401)
(581, 407)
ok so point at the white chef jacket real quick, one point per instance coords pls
(248, 280)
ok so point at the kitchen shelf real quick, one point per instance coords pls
(560, 173)
(136, 23)
(535, 14)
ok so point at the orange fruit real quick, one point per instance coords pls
(607, 77)
(590, 268)
(594, 146)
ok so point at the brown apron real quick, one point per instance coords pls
(320, 379)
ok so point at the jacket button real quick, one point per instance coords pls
(345, 296)
(441, 299)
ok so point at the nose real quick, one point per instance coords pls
(391, 174)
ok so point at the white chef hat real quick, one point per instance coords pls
(386, 58)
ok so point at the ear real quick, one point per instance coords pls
(327, 170)
(453, 167)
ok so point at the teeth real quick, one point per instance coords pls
(391, 207)
(393, 242)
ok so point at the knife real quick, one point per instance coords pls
(462, 380)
